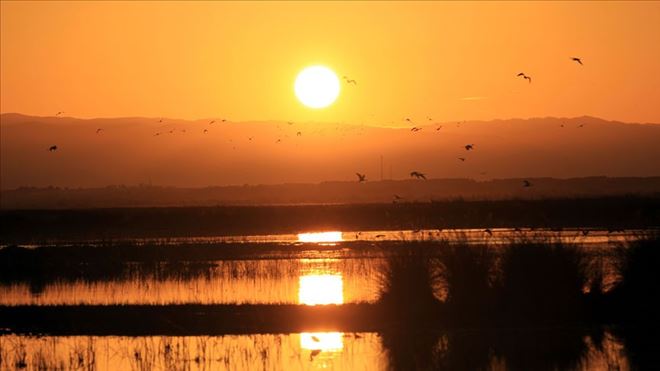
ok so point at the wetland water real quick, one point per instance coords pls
(322, 277)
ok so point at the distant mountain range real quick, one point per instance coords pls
(94, 153)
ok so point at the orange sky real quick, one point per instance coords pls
(449, 61)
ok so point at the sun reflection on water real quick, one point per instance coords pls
(321, 289)
(321, 237)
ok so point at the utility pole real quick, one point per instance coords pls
(381, 168)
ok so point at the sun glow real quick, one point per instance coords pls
(317, 87)
(319, 237)
(321, 289)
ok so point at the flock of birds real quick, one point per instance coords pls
(361, 176)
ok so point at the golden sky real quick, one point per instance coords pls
(448, 61)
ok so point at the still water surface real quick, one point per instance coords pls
(298, 351)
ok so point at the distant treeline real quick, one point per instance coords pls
(326, 192)
(23, 226)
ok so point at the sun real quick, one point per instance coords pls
(317, 86)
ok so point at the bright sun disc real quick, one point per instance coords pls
(317, 86)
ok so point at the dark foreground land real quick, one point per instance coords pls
(616, 212)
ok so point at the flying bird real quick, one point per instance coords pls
(397, 197)
(488, 231)
(415, 129)
(417, 174)
(59, 113)
(99, 130)
(526, 183)
(52, 148)
(408, 119)
(469, 147)
(576, 59)
(298, 134)
(581, 126)
(438, 128)
(316, 339)
(212, 122)
(462, 159)
(522, 74)
(313, 354)
(206, 131)
(361, 177)
(350, 81)
(278, 141)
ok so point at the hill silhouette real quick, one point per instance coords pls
(129, 151)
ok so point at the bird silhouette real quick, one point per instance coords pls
(313, 354)
(160, 121)
(488, 231)
(417, 174)
(206, 131)
(522, 74)
(59, 113)
(99, 130)
(526, 183)
(278, 141)
(397, 197)
(350, 81)
(438, 128)
(469, 147)
(316, 339)
(581, 126)
(52, 148)
(585, 232)
(408, 119)
(298, 134)
(576, 59)
(462, 159)
(361, 177)
(415, 129)
(212, 122)
(379, 236)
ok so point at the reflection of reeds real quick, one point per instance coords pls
(466, 275)
(540, 281)
(637, 265)
(407, 286)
